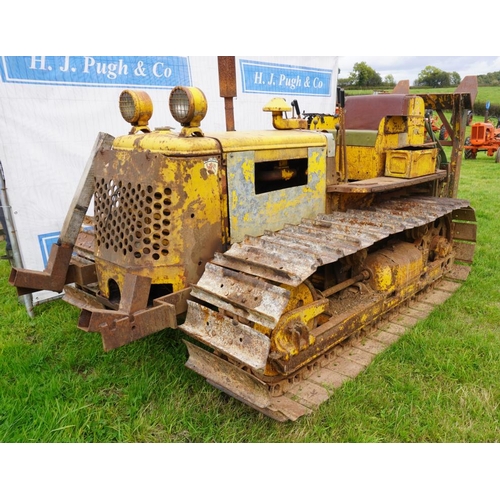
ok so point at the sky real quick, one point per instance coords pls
(408, 67)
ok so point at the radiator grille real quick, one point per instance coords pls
(132, 220)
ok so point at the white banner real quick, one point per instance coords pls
(53, 107)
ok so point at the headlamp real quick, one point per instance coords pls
(188, 106)
(136, 107)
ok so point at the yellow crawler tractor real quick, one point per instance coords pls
(269, 249)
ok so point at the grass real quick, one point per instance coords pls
(438, 384)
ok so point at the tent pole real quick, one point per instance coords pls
(11, 234)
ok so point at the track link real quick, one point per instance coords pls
(243, 287)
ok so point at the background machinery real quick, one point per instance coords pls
(484, 136)
(268, 249)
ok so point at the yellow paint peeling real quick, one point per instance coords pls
(248, 171)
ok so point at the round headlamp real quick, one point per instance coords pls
(188, 105)
(136, 107)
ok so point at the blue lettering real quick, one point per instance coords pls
(261, 77)
(119, 71)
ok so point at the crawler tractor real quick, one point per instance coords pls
(270, 249)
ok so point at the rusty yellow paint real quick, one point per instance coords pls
(287, 174)
(324, 122)
(382, 277)
(364, 162)
(177, 204)
(234, 199)
(223, 205)
(272, 144)
(367, 150)
(170, 217)
(251, 213)
(393, 268)
(277, 104)
(408, 130)
(165, 142)
(114, 272)
(282, 154)
(291, 335)
(409, 164)
(416, 122)
(299, 296)
(247, 168)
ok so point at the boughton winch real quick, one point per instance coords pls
(269, 248)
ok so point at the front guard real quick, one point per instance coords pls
(61, 268)
(133, 319)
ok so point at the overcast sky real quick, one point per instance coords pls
(408, 67)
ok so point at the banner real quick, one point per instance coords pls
(53, 107)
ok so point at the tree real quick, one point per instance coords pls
(455, 79)
(431, 76)
(363, 75)
(489, 78)
(389, 81)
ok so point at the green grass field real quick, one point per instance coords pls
(440, 383)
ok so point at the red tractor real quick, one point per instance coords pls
(484, 137)
(438, 129)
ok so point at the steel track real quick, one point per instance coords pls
(249, 275)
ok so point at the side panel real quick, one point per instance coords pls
(251, 213)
